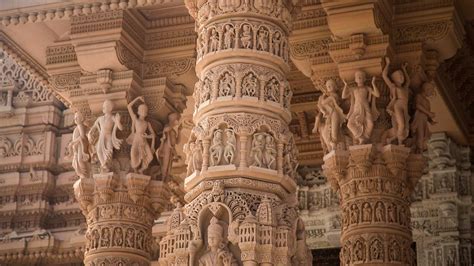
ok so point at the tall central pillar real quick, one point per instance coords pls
(240, 186)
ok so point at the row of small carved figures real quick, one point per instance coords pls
(106, 237)
(359, 251)
(352, 214)
(250, 87)
(243, 36)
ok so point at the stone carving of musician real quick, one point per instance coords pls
(217, 254)
(106, 126)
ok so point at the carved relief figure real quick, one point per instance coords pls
(270, 152)
(141, 152)
(376, 250)
(106, 126)
(205, 93)
(130, 238)
(166, 152)
(217, 253)
(197, 156)
(363, 111)
(79, 148)
(229, 149)
(272, 91)
(118, 237)
(214, 40)
(398, 106)
(451, 257)
(359, 251)
(229, 35)
(105, 237)
(366, 213)
(246, 36)
(217, 148)
(423, 117)
(262, 39)
(354, 214)
(379, 212)
(258, 144)
(276, 42)
(250, 85)
(329, 120)
(394, 251)
(226, 85)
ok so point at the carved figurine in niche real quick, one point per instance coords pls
(226, 85)
(366, 213)
(217, 254)
(290, 154)
(288, 95)
(330, 118)
(423, 116)
(95, 239)
(394, 252)
(398, 105)
(359, 251)
(141, 152)
(258, 145)
(354, 214)
(106, 126)
(276, 42)
(217, 148)
(451, 258)
(79, 148)
(166, 152)
(130, 238)
(246, 36)
(270, 152)
(379, 212)
(229, 149)
(197, 156)
(250, 85)
(391, 213)
(363, 111)
(262, 39)
(272, 91)
(214, 40)
(188, 148)
(376, 250)
(105, 237)
(229, 35)
(118, 237)
(205, 93)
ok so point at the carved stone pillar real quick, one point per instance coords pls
(120, 215)
(241, 204)
(375, 184)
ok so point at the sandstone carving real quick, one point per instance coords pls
(166, 152)
(141, 152)
(106, 127)
(79, 148)
(423, 116)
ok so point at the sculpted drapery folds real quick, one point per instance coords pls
(141, 152)
(79, 148)
(106, 127)
(166, 152)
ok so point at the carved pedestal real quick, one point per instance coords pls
(120, 216)
(374, 185)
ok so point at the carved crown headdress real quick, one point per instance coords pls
(215, 228)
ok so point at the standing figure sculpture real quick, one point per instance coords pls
(246, 37)
(217, 148)
(107, 141)
(217, 254)
(141, 153)
(79, 148)
(398, 106)
(423, 116)
(363, 111)
(166, 152)
(229, 149)
(229, 36)
(329, 120)
(258, 144)
(270, 152)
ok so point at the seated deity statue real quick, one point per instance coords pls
(217, 253)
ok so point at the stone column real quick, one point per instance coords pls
(243, 207)
(121, 189)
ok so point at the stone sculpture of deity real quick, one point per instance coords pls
(398, 106)
(106, 126)
(363, 111)
(141, 152)
(166, 152)
(330, 117)
(79, 148)
(423, 117)
(217, 253)
(229, 149)
(258, 144)
(217, 148)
